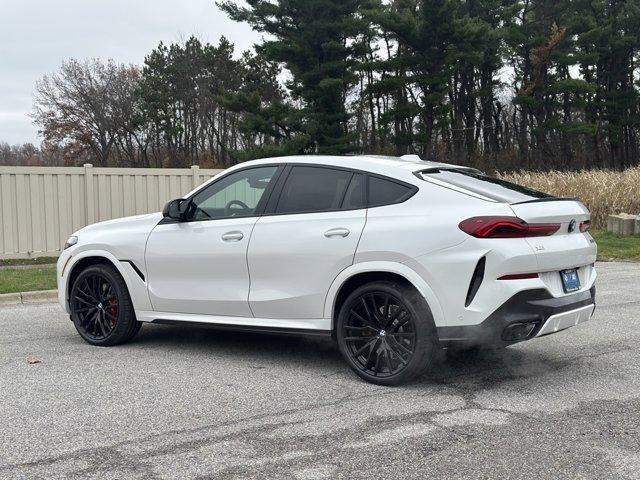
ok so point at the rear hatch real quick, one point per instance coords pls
(567, 248)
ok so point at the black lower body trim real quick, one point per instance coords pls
(303, 332)
(526, 307)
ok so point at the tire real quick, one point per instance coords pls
(386, 334)
(101, 308)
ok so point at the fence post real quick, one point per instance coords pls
(88, 192)
(195, 170)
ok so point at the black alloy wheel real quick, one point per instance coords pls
(96, 305)
(101, 308)
(380, 334)
(386, 333)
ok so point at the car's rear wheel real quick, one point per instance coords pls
(385, 332)
(101, 307)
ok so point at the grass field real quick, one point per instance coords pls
(614, 247)
(28, 261)
(27, 279)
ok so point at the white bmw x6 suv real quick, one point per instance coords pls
(393, 257)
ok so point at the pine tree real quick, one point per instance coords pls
(423, 32)
(311, 40)
(608, 47)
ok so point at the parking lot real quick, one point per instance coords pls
(185, 403)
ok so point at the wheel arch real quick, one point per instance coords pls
(362, 273)
(136, 287)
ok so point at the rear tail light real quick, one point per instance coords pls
(584, 226)
(518, 276)
(506, 227)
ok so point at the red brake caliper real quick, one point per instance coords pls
(112, 309)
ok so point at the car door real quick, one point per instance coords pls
(199, 266)
(308, 235)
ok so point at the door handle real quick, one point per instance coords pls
(232, 236)
(337, 232)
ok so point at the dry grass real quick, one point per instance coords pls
(603, 192)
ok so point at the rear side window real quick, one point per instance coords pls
(386, 192)
(493, 188)
(356, 193)
(313, 189)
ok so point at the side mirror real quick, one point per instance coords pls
(176, 209)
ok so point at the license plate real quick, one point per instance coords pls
(570, 280)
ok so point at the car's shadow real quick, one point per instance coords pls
(481, 367)
(488, 368)
(260, 348)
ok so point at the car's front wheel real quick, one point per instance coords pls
(385, 332)
(101, 307)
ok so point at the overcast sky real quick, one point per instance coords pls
(37, 35)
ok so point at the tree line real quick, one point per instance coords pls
(497, 84)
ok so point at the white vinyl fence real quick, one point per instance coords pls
(41, 206)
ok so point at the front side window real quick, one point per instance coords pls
(236, 195)
(313, 189)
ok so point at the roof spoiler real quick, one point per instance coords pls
(449, 169)
(549, 199)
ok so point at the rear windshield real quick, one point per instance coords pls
(494, 188)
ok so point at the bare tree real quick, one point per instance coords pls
(87, 106)
(24, 154)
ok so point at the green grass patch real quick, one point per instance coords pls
(615, 247)
(28, 261)
(27, 279)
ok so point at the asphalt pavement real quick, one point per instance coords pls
(197, 403)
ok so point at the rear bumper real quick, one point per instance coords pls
(526, 315)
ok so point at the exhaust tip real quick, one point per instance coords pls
(519, 331)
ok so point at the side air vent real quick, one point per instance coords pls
(135, 267)
(476, 281)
